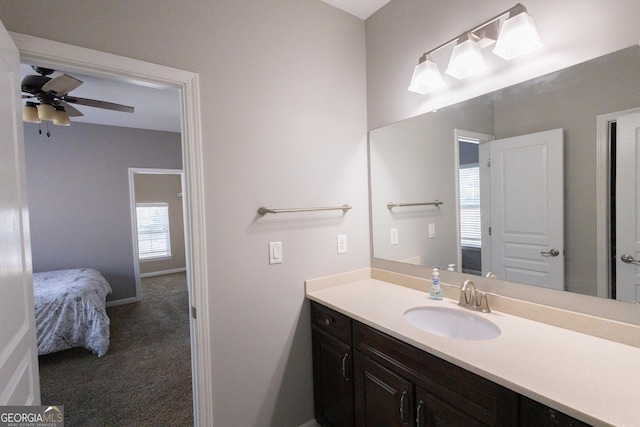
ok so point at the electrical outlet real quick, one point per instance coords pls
(394, 236)
(342, 243)
(275, 252)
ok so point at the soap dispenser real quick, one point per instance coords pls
(435, 291)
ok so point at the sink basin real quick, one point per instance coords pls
(452, 323)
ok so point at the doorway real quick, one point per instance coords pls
(157, 222)
(473, 201)
(47, 53)
(608, 212)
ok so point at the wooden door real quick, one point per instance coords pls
(383, 398)
(628, 208)
(332, 380)
(527, 215)
(432, 411)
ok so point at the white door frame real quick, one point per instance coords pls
(134, 223)
(603, 156)
(47, 53)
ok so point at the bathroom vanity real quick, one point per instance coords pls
(372, 367)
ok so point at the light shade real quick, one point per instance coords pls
(62, 118)
(46, 112)
(426, 76)
(518, 35)
(30, 113)
(466, 58)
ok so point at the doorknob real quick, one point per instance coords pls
(629, 259)
(552, 252)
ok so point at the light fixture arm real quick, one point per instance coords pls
(515, 10)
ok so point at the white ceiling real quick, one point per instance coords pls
(156, 109)
(360, 8)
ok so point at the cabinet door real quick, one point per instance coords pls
(383, 399)
(332, 380)
(434, 412)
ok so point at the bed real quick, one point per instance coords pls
(70, 310)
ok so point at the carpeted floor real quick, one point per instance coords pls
(145, 377)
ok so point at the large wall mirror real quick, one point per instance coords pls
(535, 183)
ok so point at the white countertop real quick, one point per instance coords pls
(589, 378)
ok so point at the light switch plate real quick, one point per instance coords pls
(275, 252)
(432, 231)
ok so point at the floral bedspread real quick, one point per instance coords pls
(70, 310)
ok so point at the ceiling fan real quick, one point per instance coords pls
(53, 99)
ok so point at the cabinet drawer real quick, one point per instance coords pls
(331, 322)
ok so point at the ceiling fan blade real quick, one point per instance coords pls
(61, 85)
(98, 104)
(71, 110)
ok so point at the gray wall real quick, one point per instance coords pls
(284, 87)
(78, 191)
(164, 188)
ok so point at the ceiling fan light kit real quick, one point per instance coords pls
(30, 113)
(46, 112)
(54, 100)
(62, 118)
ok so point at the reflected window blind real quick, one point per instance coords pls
(470, 225)
(153, 230)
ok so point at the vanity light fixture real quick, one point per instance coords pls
(466, 58)
(517, 37)
(426, 76)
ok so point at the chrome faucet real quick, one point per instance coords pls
(472, 298)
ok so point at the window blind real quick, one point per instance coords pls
(470, 224)
(153, 230)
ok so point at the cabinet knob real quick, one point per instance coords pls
(327, 321)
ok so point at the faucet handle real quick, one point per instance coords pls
(467, 294)
(483, 302)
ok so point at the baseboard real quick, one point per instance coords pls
(162, 273)
(121, 301)
(311, 423)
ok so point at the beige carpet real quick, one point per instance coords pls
(145, 377)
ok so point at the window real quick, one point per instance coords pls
(153, 231)
(470, 225)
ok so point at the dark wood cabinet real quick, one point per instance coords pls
(366, 378)
(535, 414)
(332, 367)
(434, 412)
(445, 395)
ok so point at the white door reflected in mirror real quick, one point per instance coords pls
(627, 274)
